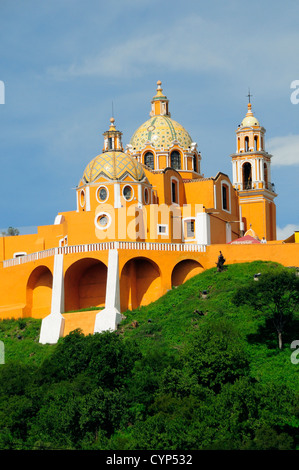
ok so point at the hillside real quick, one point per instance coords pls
(193, 370)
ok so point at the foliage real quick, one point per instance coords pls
(276, 295)
(201, 374)
(11, 232)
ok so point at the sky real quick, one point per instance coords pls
(66, 65)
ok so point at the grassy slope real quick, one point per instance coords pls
(174, 317)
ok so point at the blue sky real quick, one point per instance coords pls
(64, 62)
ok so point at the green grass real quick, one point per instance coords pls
(169, 322)
(174, 318)
(21, 341)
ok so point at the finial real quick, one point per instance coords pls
(112, 121)
(159, 88)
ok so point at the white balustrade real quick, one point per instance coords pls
(69, 249)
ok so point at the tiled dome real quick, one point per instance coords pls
(113, 166)
(161, 131)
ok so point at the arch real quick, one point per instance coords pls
(184, 270)
(149, 160)
(247, 177)
(85, 284)
(39, 292)
(256, 139)
(246, 144)
(175, 160)
(140, 283)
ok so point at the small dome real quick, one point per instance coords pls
(114, 166)
(249, 120)
(160, 131)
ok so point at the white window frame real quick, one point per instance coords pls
(18, 254)
(224, 183)
(174, 179)
(100, 227)
(122, 192)
(166, 230)
(97, 191)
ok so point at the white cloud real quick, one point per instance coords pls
(191, 44)
(175, 48)
(285, 150)
(287, 231)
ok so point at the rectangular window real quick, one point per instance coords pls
(162, 229)
(190, 225)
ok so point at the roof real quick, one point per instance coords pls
(160, 131)
(246, 240)
(114, 166)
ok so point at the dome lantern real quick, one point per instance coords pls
(159, 103)
(112, 139)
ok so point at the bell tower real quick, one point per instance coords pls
(252, 178)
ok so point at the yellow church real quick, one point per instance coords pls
(145, 219)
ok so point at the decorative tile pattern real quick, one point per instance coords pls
(114, 166)
(160, 131)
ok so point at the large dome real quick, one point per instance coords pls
(113, 166)
(160, 131)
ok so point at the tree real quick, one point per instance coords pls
(276, 295)
(11, 231)
(216, 354)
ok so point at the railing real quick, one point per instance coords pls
(249, 185)
(101, 247)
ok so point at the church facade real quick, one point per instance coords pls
(145, 220)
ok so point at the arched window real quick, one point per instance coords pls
(195, 163)
(255, 142)
(175, 159)
(247, 178)
(224, 197)
(149, 160)
(110, 143)
(246, 144)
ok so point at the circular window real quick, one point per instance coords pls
(102, 194)
(128, 193)
(102, 220)
(82, 198)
